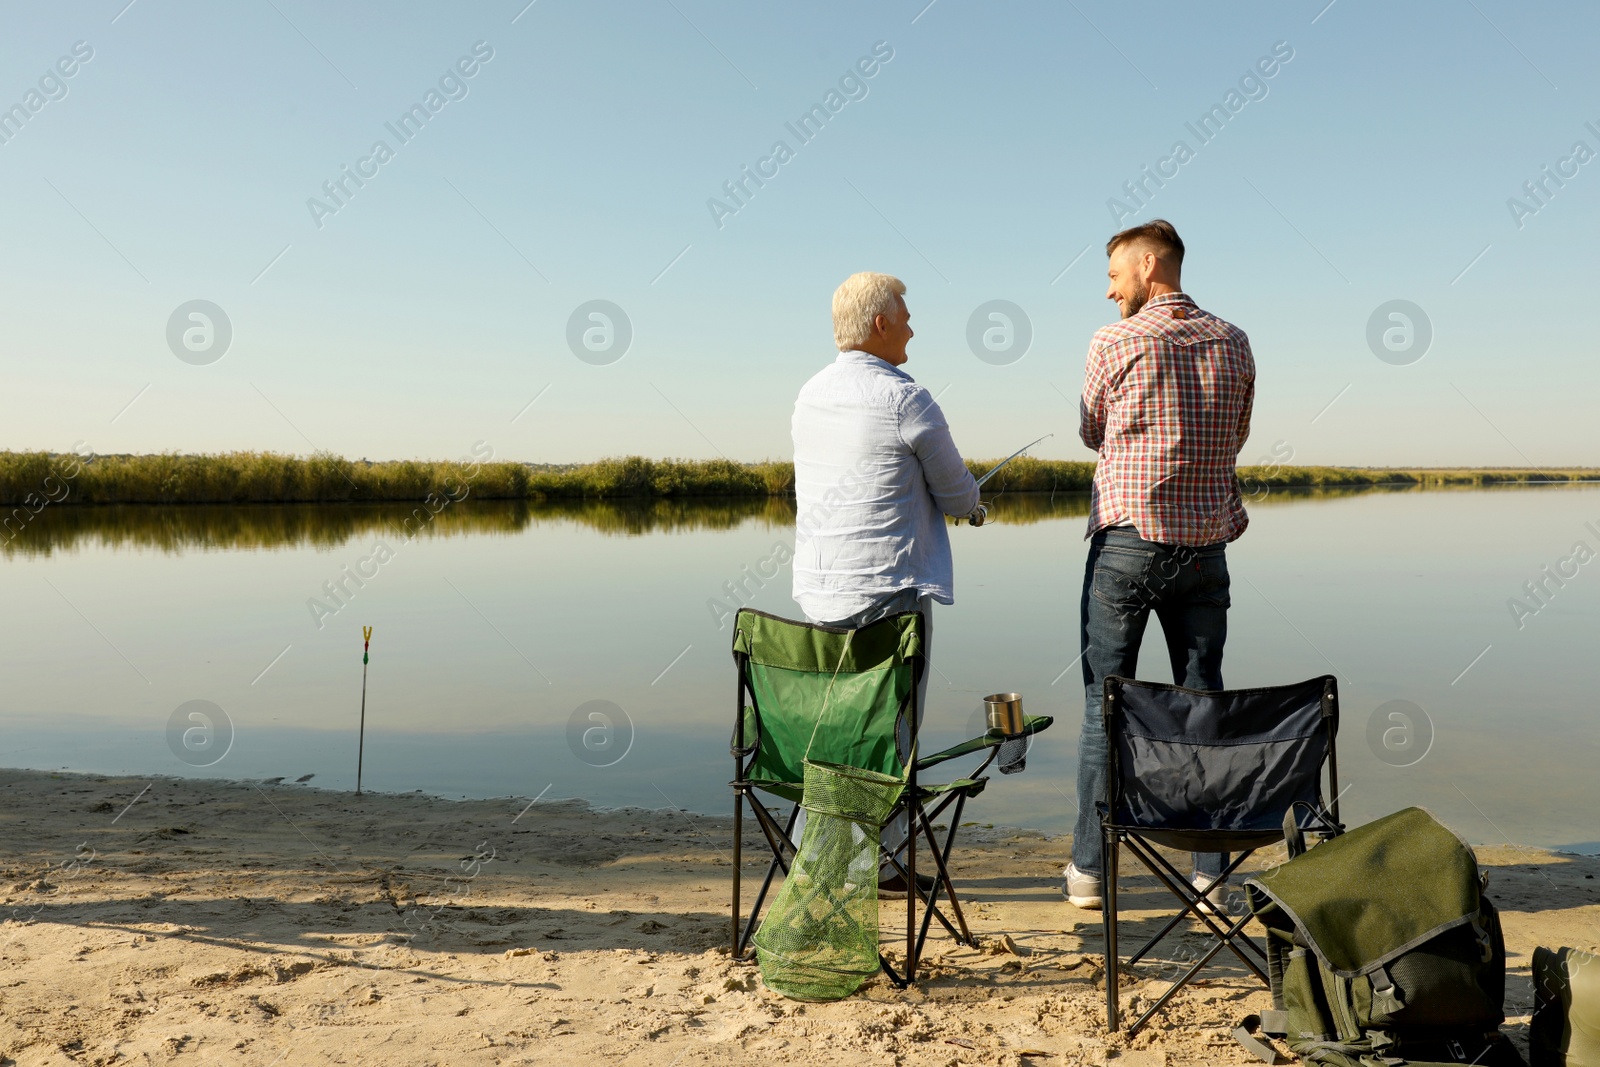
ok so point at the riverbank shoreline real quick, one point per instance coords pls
(162, 920)
(31, 481)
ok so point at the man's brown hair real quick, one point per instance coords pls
(1159, 234)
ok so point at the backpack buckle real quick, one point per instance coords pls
(1386, 996)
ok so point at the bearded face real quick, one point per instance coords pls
(1128, 286)
(1137, 295)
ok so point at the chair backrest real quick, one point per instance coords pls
(1232, 759)
(858, 682)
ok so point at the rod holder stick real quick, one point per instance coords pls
(361, 736)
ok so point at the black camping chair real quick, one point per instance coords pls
(1220, 771)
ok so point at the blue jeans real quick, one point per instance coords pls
(1125, 579)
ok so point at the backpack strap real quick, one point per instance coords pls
(1485, 940)
(1293, 836)
(1264, 1050)
(1322, 825)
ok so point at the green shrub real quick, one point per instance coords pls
(322, 478)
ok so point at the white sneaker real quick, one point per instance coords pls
(1214, 903)
(1081, 890)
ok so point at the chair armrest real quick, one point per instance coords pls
(977, 744)
(1032, 724)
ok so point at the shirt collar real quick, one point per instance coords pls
(867, 359)
(1170, 298)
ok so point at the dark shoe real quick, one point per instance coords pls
(893, 886)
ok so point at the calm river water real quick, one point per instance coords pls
(500, 631)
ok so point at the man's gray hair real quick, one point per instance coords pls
(860, 300)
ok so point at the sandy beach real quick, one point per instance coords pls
(155, 921)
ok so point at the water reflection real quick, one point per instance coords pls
(175, 529)
(487, 645)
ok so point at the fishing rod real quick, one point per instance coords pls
(981, 515)
(1008, 459)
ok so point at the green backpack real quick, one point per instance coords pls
(1382, 950)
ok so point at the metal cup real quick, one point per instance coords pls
(1004, 711)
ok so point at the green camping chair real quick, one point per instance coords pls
(788, 673)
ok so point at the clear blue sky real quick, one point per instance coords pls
(1375, 164)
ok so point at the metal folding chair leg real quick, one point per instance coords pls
(921, 821)
(1173, 879)
(1184, 979)
(904, 872)
(941, 860)
(1228, 937)
(741, 943)
(944, 859)
(1180, 887)
(738, 867)
(1108, 913)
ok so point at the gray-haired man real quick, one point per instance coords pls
(875, 473)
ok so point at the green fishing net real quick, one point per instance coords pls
(819, 940)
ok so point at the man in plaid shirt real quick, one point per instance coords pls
(1166, 403)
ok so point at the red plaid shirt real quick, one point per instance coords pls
(1166, 402)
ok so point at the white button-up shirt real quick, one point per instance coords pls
(875, 472)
